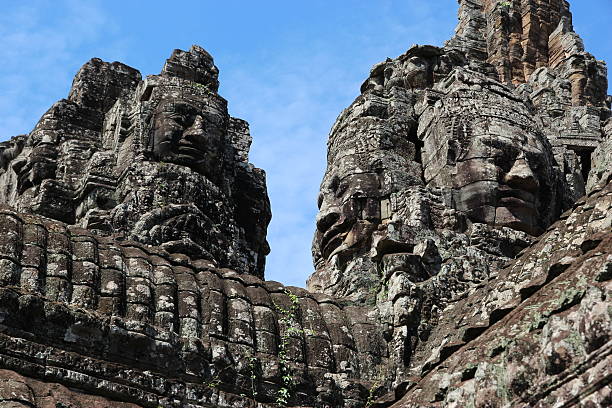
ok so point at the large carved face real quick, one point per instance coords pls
(489, 150)
(350, 211)
(416, 71)
(40, 164)
(483, 147)
(188, 134)
(504, 180)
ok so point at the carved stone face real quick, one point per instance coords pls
(416, 70)
(9, 151)
(488, 148)
(158, 161)
(186, 134)
(484, 160)
(350, 212)
(504, 181)
(39, 165)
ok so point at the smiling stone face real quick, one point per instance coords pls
(351, 214)
(159, 161)
(498, 182)
(464, 161)
(484, 144)
(38, 166)
(188, 134)
(186, 184)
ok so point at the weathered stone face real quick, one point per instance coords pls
(352, 215)
(498, 125)
(487, 146)
(504, 179)
(450, 162)
(159, 161)
(407, 165)
(40, 165)
(189, 135)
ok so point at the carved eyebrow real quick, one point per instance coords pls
(534, 157)
(172, 113)
(502, 142)
(366, 173)
(180, 107)
(185, 106)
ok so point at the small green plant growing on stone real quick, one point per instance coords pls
(289, 319)
(215, 380)
(374, 388)
(253, 375)
(372, 394)
(505, 3)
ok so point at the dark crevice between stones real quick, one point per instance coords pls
(529, 291)
(392, 247)
(21, 403)
(585, 163)
(418, 144)
(567, 306)
(497, 351)
(447, 351)
(473, 332)
(589, 244)
(418, 149)
(605, 274)
(498, 314)
(555, 271)
(441, 394)
(468, 373)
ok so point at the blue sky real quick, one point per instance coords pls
(287, 67)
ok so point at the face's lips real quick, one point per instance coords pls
(517, 198)
(514, 202)
(189, 155)
(520, 225)
(334, 246)
(189, 150)
(521, 210)
(334, 237)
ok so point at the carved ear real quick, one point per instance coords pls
(453, 152)
(460, 139)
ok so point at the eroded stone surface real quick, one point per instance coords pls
(137, 324)
(17, 391)
(538, 334)
(451, 162)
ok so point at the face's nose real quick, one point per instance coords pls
(326, 219)
(197, 128)
(521, 176)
